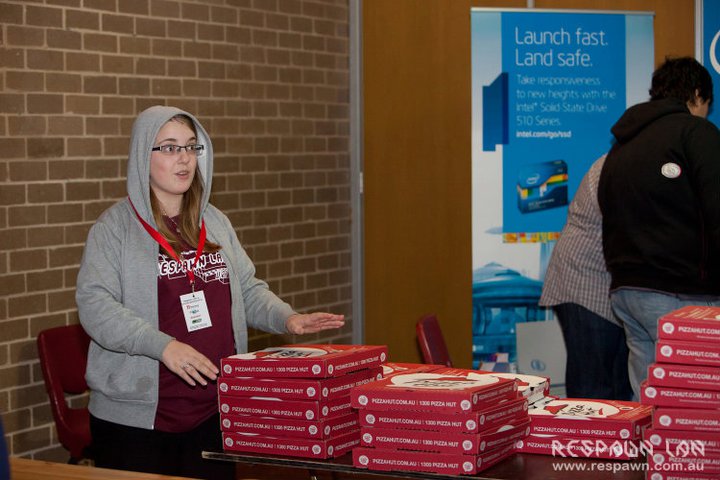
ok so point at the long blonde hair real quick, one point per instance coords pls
(189, 225)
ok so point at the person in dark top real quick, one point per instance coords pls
(659, 194)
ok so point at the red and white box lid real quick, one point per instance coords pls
(589, 418)
(684, 376)
(391, 368)
(295, 447)
(683, 442)
(532, 387)
(687, 353)
(273, 407)
(678, 397)
(275, 427)
(445, 390)
(694, 419)
(471, 422)
(560, 446)
(297, 388)
(443, 463)
(304, 361)
(444, 442)
(695, 323)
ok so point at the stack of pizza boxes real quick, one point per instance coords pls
(438, 419)
(295, 399)
(684, 387)
(586, 428)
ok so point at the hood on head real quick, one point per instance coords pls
(145, 129)
(637, 117)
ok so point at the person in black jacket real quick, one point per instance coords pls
(659, 194)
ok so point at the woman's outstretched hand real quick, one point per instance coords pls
(189, 364)
(300, 324)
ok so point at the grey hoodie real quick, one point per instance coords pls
(117, 287)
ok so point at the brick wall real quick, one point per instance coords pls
(269, 79)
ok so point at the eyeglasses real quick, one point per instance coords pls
(193, 149)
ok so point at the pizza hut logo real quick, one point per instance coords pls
(225, 408)
(666, 350)
(665, 420)
(226, 423)
(577, 409)
(668, 327)
(310, 392)
(313, 429)
(434, 381)
(468, 467)
(367, 438)
(316, 449)
(369, 418)
(316, 369)
(229, 442)
(223, 387)
(658, 372)
(363, 459)
(227, 369)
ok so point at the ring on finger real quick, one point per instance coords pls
(185, 366)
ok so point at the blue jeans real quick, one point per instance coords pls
(597, 355)
(639, 311)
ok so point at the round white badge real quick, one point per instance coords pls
(668, 327)
(226, 423)
(465, 405)
(655, 439)
(666, 350)
(624, 433)
(229, 442)
(665, 420)
(225, 408)
(362, 400)
(313, 429)
(316, 449)
(468, 467)
(466, 445)
(316, 369)
(370, 418)
(228, 369)
(671, 170)
(223, 387)
(363, 459)
(658, 372)
(650, 392)
(310, 392)
(367, 438)
(471, 425)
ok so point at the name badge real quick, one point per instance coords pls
(195, 309)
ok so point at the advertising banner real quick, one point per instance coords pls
(547, 85)
(710, 37)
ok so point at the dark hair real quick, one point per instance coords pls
(680, 78)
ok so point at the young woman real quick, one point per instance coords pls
(165, 291)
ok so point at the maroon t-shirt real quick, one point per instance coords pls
(180, 406)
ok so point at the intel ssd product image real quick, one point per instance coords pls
(542, 185)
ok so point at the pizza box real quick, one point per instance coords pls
(273, 407)
(532, 387)
(471, 422)
(297, 388)
(442, 463)
(665, 475)
(444, 442)
(577, 417)
(693, 419)
(694, 323)
(295, 447)
(304, 361)
(445, 390)
(561, 446)
(678, 397)
(707, 464)
(683, 376)
(683, 442)
(276, 427)
(391, 368)
(688, 353)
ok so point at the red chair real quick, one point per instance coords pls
(63, 355)
(432, 343)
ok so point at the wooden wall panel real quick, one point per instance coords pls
(417, 163)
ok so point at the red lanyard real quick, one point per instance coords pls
(166, 245)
